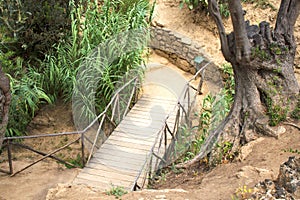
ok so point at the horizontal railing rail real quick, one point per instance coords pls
(183, 110)
(113, 113)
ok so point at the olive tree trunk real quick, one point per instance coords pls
(266, 89)
(5, 98)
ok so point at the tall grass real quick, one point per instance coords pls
(93, 22)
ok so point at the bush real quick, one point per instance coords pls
(41, 73)
(31, 27)
(203, 5)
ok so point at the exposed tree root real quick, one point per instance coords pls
(292, 124)
(262, 61)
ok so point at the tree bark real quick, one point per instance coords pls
(263, 65)
(5, 98)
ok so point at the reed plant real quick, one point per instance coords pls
(92, 23)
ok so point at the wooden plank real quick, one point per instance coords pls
(117, 165)
(114, 163)
(110, 182)
(129, 145)
(125, 127)
(109, 169)
(155, 98)
(137, 116)
(109, 174)
(149, 103)
(154, 108)
(146, 115)
(147, 138)
(132, 135)
(134, 152)
(118, 146)
(141, 115)
(119, 158)
(143, 123)
(132, 139)
(94, 184)
(136, 130)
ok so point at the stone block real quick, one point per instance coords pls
(183, 64)
(186, 41)
(185, 50)
(162, 53)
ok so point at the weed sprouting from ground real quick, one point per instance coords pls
(117, 191)
(214, 110)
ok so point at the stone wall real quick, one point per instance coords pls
(177, 48)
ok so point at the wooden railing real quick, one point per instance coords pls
(160, 154)
(114, 112)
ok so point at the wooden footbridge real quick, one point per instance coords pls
(121, 158)
(143, 128)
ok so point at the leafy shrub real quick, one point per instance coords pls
(203, 5)
(117, 191)
(263, 4)
(41, 73)
(26, 99)
(214, 110)
(296, 111)
(34, 26)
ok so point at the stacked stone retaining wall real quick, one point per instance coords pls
(177, 48)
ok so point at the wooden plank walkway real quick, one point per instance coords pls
(122, 156)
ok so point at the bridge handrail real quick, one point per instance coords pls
(101, 116)
(185, 93)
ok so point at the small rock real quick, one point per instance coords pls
(162, 196)
(280, 130)
(247, 149)
(287, 185)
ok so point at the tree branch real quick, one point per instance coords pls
(286, 19)
(243, 47)
(214, 12)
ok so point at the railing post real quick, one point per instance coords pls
(166, 139)
(118, 104)
(82, 149)
(9, 157)
(96, 138)
(130, 98)
(199, 89)
(189, 101)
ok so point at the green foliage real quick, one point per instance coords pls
(77, 162)
(225, 153)
(26, 99)
(279, 109)
(296, 111)
(192, 4)
(33, 26)
(277, 113)
(203, 4)
(242, 193)
(263, 4)
(260, 53)
(118, 192)
(41, 49)
(99, 25)
(214, 110)
(290, 150)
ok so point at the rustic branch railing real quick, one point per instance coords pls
(183, 109)
(114, 112)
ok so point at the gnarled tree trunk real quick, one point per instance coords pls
(263, 65)
(5, 98)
